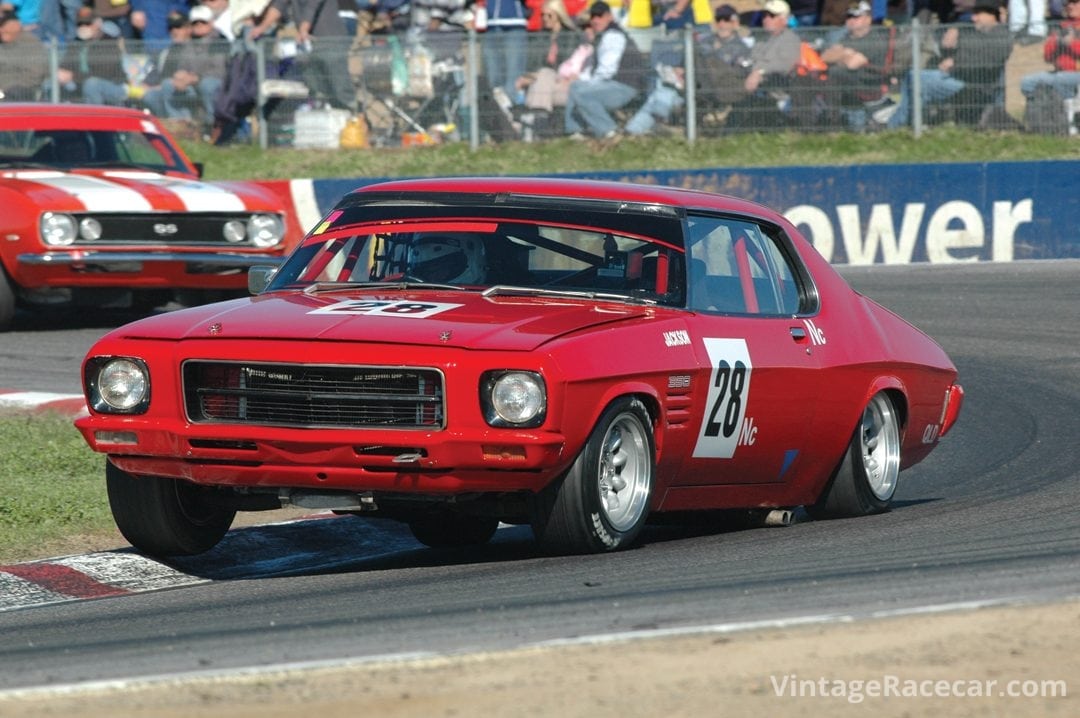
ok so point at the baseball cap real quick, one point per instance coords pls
(858, 9)
(725, 12)
(201, 13)
(777, 7)
(599, 8)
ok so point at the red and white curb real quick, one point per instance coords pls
(42, 402)
(315, 542)
(94, 575)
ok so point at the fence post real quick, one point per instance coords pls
(915, 86)
(54, 68)
(260, 98)
(690, 83)
(472, 84)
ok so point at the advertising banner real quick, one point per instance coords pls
(890, 214)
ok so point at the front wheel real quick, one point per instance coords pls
(867, 477)
(165, 517)
(602, 501)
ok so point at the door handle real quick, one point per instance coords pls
(798, 334)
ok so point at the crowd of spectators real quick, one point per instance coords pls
(588, 69)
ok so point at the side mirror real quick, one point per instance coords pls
(259, 278)
(199, 167)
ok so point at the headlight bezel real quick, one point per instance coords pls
(265, 230)
(497, 389)
(97, 395)
(58, 229)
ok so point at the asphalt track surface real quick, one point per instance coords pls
(990, 516)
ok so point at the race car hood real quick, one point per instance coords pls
(133, 191)
(446, 319)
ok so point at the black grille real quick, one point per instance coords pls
(307, 395)
(174, 229)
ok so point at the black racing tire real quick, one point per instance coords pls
(7, 302)
(602, 502)
(866, 480)
(449, 530)
(165, 517)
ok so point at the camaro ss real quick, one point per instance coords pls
(100, 206)
(573, 355)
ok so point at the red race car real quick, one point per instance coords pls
(102, 207)
(455, 353)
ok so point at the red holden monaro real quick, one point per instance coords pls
(100, 203)
(575, 355)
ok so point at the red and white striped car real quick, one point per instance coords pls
(100, 206)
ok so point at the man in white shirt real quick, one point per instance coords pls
(610, 79)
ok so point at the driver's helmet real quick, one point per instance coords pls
(448, 259)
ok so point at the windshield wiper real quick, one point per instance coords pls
(506, 290)
(320, 287)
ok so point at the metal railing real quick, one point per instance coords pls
(422, 89)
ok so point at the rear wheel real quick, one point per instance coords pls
(450, 530)
(867, 478)
(602, 502)
(165, 517)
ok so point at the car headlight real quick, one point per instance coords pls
(513, 398)
(265, 230)
(117, 385)
(90, 228)
(57, 230)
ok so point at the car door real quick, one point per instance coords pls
(757, 385)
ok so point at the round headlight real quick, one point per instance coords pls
(265, 230)
(123, 384)
(234, 231)
(90, 228)
(57, 230)
(518, 397)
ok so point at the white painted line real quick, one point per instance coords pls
(598, 639)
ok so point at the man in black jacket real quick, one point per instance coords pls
(971, 70)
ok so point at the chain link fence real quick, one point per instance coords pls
(467, 87)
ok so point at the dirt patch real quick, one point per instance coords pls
(950, 664)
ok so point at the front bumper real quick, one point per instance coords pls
(422, 462)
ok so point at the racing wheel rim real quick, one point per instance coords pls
(625, 472)
(879, 439)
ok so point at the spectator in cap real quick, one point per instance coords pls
(970, 69)
(773, 60)
(192, 69)
(860, 62)
(150, 20)
(612, 77)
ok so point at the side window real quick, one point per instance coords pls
(736, 267)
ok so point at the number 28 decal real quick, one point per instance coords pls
(379, 308)
(729, 392)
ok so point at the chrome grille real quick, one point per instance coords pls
(171, 228)
(307, 395)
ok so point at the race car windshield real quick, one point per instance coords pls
(480, 254)
(70, 148)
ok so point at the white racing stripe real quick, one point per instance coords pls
(97, 195)
(196, 196)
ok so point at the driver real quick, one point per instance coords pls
(447, 259)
